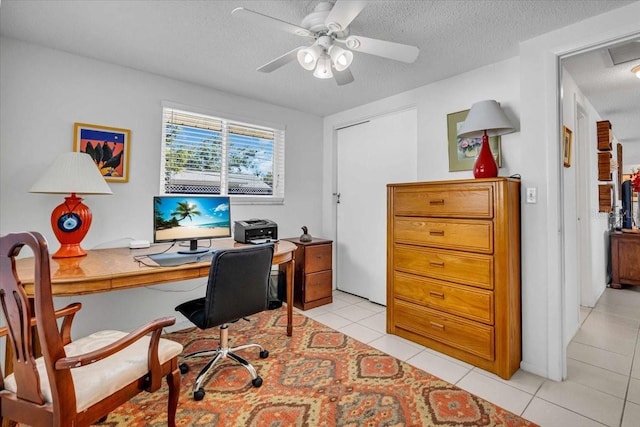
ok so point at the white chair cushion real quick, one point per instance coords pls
(100, 379)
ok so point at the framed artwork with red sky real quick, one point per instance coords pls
(107, 146)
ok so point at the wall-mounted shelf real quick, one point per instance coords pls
(605, 198)
(604, 166)
(605, 136)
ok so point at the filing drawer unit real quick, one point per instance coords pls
(453, 269)
(313, 279)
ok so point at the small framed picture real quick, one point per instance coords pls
(567, 136)
(463, 151)
(107, 146)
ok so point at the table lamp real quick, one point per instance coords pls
(485, 119)
(74, 173)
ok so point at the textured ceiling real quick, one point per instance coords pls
(200, 42)
(612, 89)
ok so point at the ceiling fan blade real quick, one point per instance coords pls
(342, 13)
(386, 49)
(343, 77)
(269, 21)
(280, 61)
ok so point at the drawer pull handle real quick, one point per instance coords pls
(435, 325)
(436, 202)
(439, 264)
(436, 294)
(436, 232)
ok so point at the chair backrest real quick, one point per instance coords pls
(238, 283)
(43, 391)
(18, 313)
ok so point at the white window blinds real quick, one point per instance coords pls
(211, 155)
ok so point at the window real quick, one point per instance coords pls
(210, 155)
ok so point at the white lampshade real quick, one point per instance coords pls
(342, 58)
(323, 69)
(485, 116)
(308, 58)
(72, 172)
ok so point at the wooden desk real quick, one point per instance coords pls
(105, 270)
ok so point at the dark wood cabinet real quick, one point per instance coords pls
(625, 259)
(313, 279)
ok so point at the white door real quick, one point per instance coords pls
(370, 155)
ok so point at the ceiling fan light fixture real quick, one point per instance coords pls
(308, 58)
(323, 69)
(636, 70)
(342, 58)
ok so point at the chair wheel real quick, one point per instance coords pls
(184, 368)
(257, 382)
(198, 394)
(264, 354)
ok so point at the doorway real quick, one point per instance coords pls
(370, 155)
(585, 230)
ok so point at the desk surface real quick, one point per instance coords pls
(104, 270)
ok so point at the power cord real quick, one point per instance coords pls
(140, 258)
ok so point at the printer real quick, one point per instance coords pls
(254, 230)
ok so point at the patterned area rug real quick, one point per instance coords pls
(318, 377)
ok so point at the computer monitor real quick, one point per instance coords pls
(190, 218)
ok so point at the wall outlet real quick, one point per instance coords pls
(532, 196)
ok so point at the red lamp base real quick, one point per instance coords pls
(69, 251)
(70, 222)
(485, 166)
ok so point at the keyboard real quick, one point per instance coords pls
(173, 259)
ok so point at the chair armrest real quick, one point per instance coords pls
(67, 312)
(155, 326)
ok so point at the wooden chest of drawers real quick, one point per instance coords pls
(453, 269)
(313, 278)
(625, 259)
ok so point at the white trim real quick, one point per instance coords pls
(540, 75)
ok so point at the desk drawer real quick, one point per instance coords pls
(317, 258)
(473, 338)
(447, 201)
(463, 235)
(465, 301)
(317, 285)
(460, 267)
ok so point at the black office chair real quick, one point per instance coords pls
(238, 287)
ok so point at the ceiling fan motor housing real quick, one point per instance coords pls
(316, 21)
(333, 48)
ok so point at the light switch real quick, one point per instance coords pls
(532, 196)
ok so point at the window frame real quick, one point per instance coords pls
(229, 120)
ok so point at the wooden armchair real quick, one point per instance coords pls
(73, 383)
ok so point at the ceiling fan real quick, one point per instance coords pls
(331, 51)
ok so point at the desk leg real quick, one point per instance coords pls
(290, 268)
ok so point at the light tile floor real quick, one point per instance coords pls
(603, 363)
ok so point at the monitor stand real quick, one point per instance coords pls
(193, 248)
